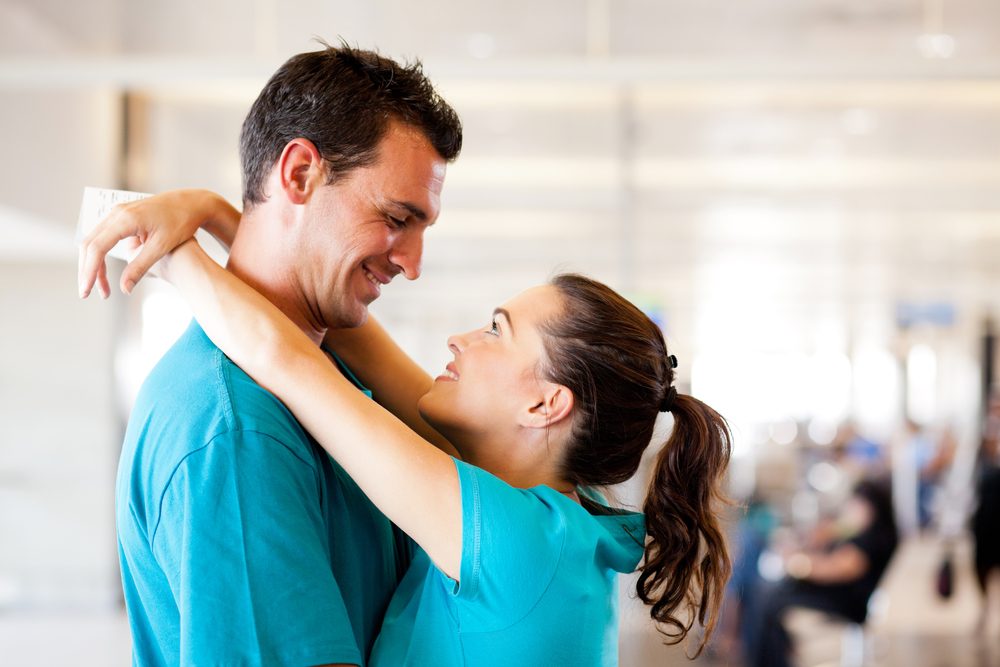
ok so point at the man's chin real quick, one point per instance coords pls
(358, 320)
(357, 317)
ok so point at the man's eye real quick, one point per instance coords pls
(396, 222)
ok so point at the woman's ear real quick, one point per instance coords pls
(301, 170)
(555, 406)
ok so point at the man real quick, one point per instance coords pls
(241, 541)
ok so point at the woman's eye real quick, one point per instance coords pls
(494, 329)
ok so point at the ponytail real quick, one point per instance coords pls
(686, 564)
(614, 360)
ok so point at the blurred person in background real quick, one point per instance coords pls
(751, 538)
(858, 455)
(838, 577)
(919, 462)
(932, 476)
(986, 535)
(240, 540)
(986, 520)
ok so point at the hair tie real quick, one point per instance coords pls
(667, 404)
(673, 361)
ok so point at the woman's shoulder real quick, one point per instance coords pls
(618, 534)
(550, 519)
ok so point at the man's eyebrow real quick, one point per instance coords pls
(506, 314)
(414, 210)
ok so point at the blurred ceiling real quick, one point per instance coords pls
(708, 30)
(804, 156)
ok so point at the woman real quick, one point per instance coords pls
(837, 578)
(556, 395)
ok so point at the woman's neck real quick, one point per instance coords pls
(522, 462)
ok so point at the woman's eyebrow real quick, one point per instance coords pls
(506, 314)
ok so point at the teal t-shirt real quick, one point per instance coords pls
(538, 584)
(241, 541)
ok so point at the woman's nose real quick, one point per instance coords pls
(458, 342)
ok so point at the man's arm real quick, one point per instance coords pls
(396, 381)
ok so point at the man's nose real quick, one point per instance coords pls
(408, 254)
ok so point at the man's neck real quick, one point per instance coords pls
(254, 260)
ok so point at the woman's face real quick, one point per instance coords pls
(494, 377)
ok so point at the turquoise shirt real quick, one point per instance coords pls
(538, 584)
(241, 541)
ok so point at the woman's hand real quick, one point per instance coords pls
(157, 225)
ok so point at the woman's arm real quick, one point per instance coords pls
(844, 564)
(159, 223)
(410, 480)
(396, 381)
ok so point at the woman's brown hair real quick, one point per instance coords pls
(615, 361)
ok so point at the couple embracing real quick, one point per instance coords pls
(270, 512)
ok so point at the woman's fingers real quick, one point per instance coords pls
(120, 225)
(81, 280)
(91, 264)
(157, 224)
(97, 244)
(102, 280)
(149, 254)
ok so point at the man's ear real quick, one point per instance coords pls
(554, 406)
(301, 170)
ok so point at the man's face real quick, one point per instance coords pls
(360, 232)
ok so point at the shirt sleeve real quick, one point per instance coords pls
(512, 544)
(242, 541)
(876, 547)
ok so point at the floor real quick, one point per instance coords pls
(913, 629)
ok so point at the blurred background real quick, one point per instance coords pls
(805, 194)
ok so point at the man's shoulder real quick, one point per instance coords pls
(195, 394)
